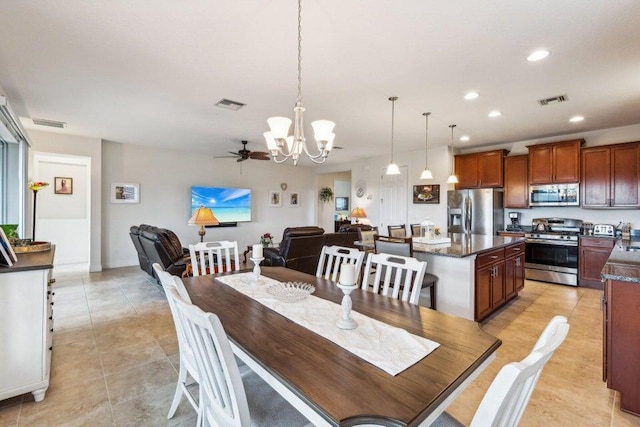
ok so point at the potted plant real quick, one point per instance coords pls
(326, 194)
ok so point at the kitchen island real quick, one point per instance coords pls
(476, 273)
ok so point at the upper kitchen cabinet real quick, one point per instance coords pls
(611, 176)
(516, 183)
(480, 170)
(554, 163)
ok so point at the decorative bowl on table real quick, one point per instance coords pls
(291, 291)
(27, 246)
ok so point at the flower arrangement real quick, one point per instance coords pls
(266, 239)
(37, 185)
(436, 231)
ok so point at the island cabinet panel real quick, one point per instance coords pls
(516, 182)
(480, 170)
(593, 253)
(499, 276)
(555, 163)
(514, 270)
(484, 285)
(622, 342)
(611, 176)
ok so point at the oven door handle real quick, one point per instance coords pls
(552, 242)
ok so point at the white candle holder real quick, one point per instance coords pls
(346, 322)
(256, 268)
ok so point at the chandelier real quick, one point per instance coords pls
(280, 143)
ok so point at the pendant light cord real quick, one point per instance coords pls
(299, 99)
(453, 157)
(426, 138)
(393, 114)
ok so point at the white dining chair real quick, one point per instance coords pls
(332, 258)
(395, 276)
(214, 257)
(506, 399)
(188, 367)
(227, 398)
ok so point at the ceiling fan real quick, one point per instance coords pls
(245, 154)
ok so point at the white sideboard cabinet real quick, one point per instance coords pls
(26, 325)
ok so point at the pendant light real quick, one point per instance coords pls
(426, 173)
(392, 169)
(453, 179)
(278, 140)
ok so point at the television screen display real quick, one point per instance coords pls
(342, 203)
(227, 204)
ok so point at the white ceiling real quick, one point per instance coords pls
(149, 72)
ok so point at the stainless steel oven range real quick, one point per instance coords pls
(551, 250)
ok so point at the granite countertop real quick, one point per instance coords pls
(463, 245)
(31, 261)
(623, 264)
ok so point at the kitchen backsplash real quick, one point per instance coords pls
(595, 216)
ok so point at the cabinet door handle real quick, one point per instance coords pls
(516, 249)
(50, 348)
(493, 256)
(50, 317)
(52, 281)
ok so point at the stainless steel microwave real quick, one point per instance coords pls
(554, 195)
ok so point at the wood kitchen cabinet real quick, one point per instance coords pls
(516, 182)
(611, 176)
(499, 277)
(480, 170)
(621, 346)
(555, 163)
(593, 255)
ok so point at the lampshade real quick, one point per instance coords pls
(279, 127)
(203, 216)
(426, 174)
(452, 179)
(393, 169)
(358, 213)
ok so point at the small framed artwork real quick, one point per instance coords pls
(63, 185)
(125, 193)
(426, 194)
(294, 199)
(275, 199)
(342, 203)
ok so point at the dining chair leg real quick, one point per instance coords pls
(432, 295)
(177, 397)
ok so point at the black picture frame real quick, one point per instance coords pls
(426, 194)
(342, 203)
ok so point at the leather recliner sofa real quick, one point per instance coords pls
(300, 247)
(160, 245)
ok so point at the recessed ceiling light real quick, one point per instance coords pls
(495, 113)
(464, 138)
(471, 95)
(538, 55)
(576, 119)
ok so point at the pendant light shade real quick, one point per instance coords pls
(453, 179)
(392, 169)
(426, 173)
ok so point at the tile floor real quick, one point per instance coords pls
(115, 358)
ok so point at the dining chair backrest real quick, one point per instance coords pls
(402, 246)
(397, 230)
(224, 401)
(508, 395)
(415, 230)
(395, 276)
(214, 257)
(332, 258)
(367, 235)
(187, 361)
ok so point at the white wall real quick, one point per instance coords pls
(165, 179)
(50, 142)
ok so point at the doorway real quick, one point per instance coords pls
(63, 215)
(393, 199)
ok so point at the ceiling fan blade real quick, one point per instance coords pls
(225, 157)
(258, 154)
(237, 154)
(241, 159)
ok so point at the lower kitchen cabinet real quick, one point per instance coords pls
(593, 254)
(499, 276)
(26, 325)
(621, 369)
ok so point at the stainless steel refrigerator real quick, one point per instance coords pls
(475, 211)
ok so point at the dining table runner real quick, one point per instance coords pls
(387, 347)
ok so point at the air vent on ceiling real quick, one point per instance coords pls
(50, 123)
(229, 104)
(553, 100)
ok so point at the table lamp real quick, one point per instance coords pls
(358, 213)
(203, 216)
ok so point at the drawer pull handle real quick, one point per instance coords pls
(516, 249)
(50, 317)
(52, 281)
(51, 329)
(493, 256)
(50, 348)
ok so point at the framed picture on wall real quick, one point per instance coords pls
(63, 185)
(275, 199)
(342, 203)
(125, 192)
(426, 194)
(294, 199)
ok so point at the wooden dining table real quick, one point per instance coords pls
(327, 383)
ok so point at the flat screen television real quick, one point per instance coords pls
(229, 205)
(342, 203)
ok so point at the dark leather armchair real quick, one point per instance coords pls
(299, 249)
(159, 245)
